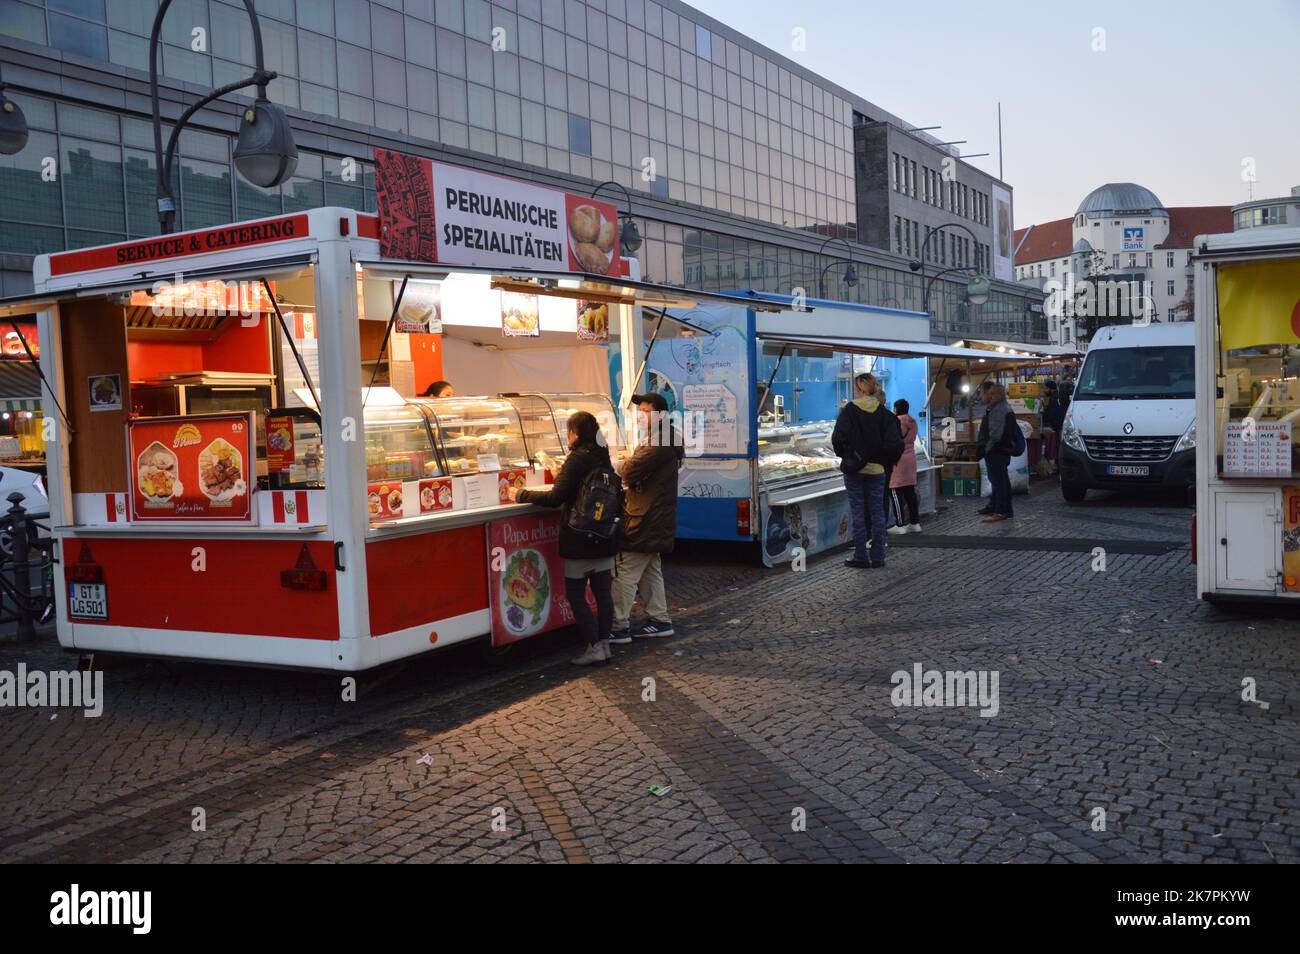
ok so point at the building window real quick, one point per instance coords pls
(1053, 269)
(1149, 255)
(1132, 259)
(898, 235)
(1114, 261)
(1169, 287)
(1170, 315)
(1169, 259)
(912, 164)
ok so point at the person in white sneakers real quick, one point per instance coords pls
(902, 480)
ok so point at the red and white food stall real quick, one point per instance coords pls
(242, 469)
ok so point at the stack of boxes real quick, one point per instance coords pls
(960, 479)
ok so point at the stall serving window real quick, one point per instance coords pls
(1257, 396)
(179, 379)
(800, 391)
(511, 359)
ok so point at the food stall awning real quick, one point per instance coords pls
(20, 386)
(606, 288)
(896, 349)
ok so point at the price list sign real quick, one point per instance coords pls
(1257, 448)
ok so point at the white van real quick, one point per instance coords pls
(1132, 419)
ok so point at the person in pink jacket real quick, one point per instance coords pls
(902, 480)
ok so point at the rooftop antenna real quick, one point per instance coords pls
(1000, 142)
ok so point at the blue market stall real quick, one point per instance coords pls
(759, 383)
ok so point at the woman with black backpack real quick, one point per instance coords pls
(588, 556)
(868, 441)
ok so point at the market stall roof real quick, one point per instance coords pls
(20, 386)
(787, 302)
(1013, 347)
(606, 288)
(896, 349)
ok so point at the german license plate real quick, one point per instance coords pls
(88, 600)
(1128, 470)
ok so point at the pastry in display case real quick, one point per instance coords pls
(471, 427)
(796, 451)
(545, 419)
(399, 443)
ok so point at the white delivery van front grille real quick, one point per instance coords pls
(1125, 447)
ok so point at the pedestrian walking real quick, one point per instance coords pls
(997, 445)
(586, 482)
(650, 476)
(902, 479)
(1053, 417)
(868, 441)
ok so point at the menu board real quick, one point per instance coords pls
(384, 499)
(436, 493)
(713, 413)
(195, 467)
(1257, 449)
(526, 577)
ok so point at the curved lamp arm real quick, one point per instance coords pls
(260, 77)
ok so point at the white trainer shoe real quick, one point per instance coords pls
(913, 528)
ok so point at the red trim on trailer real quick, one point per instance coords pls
(420, 579)
(152, 585)
(181, 245)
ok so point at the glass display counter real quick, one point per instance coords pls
(399, 443)
(473, 427)
(797, 452)
(545, 419)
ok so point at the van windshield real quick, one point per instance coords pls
(1115, 374)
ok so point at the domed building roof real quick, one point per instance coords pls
(1121, 197)
(1083, 245)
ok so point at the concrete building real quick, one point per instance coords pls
(1264, 213)
(740, 162)
(1124, 250)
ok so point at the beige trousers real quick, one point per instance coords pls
(643, 570)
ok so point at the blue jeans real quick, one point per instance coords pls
(867, 505)
(1000, 479)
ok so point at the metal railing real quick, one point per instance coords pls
(26, 568)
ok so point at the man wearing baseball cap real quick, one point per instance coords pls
(650, 500)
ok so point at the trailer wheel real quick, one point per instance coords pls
(1073, 494)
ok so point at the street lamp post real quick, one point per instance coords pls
(629, 236)
(850, 273)
(265, 153)
(977, 289)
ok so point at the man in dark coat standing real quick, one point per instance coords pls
(650, 485)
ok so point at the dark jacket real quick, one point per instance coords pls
(582, 460)
(874, 436)
(995, 430)
(1053, 413)
(650, 501)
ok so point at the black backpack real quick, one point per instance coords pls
(876, 438)
(596, 517)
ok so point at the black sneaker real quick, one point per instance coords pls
(653, 629)
(620, 636)
(986, 512)
(857, 564)
(876, 564)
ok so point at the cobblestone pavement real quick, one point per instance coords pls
(1118, 691)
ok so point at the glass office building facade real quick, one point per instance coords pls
(741, 161)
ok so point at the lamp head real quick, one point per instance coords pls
(629, 237)
(13, 126)
(265, 153)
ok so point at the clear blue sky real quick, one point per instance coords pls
(1183, 92)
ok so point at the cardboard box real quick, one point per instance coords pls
(960, 487)
(1025, 389)
(961, 470)
(1035, 422)
(1028, 405)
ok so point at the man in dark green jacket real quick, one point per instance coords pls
(650, 487)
